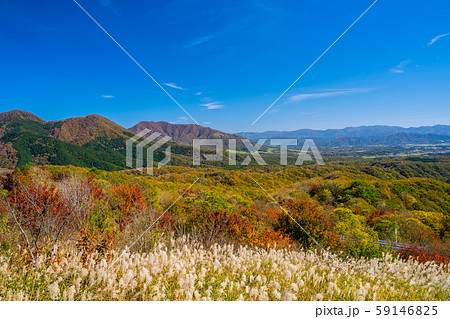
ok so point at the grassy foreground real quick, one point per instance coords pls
(185, 270)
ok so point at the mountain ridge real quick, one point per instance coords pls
(83, 129)
(95, 141)
(19, 113)
(349, 132)
(88, 141)
(185, 133)
(26, 138)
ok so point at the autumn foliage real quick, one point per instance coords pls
(96, 242)
(306, 220)
(38, 209)
(126, 200)
(422, 255)
(101, 212)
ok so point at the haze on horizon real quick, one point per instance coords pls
(225, 63)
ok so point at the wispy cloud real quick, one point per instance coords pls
(399, 68)
(397, 71)
(108, 4)
(432, 41)
(199, 41)
(181, 120)
(326, 94)
(213, 105)
(198, 93)
(108, 96)
(175, 86)
(206, 123)
(269, 8)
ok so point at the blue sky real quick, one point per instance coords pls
(225, 62)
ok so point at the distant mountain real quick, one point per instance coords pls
(390, 140)
(95, 141)
(185, 133)
(90, 141)
(82, 130)
(86, 141)
(363, 135)
(5, 116)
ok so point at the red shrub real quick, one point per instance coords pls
(38, 210)
(213, 225)
(127, 200)
(95, 241)
(257, 228)
(95, 189)
(309, 215)
(422, 255)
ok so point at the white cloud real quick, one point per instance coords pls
(199, 41)
(213, 105)
(108, 96)
(175, 86)
(181, 120)
(320, 95)
(432, 41)
(399, 68)
(198, 93)
(206, 123)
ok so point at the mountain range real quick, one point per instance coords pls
(185, 133)
(362, 135)
(86, 141)
(90, 141)
(95, 141)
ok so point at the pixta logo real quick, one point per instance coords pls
(253, 151)
(151, 144)
(142, 142)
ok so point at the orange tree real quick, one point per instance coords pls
(423, 255)
(126, 200)
(259, 228)
(310, 216)
(38, 210)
